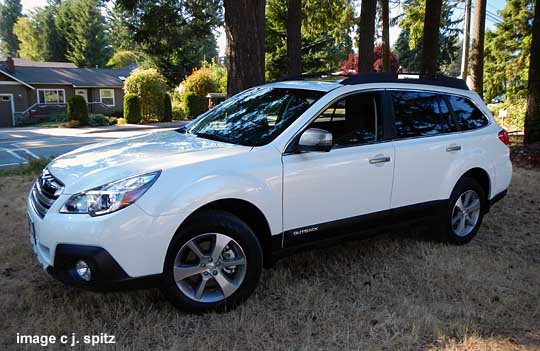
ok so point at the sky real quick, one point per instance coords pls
(492, 7)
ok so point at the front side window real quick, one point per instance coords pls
(353, 120)
(51, 96)
(254, 117)
(106, 96)
(467, 114)
(419, 114)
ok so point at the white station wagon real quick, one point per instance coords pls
(201, 210)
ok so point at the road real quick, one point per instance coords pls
(19, 145)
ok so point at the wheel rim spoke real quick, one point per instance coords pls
(220, 242)
(200, 289)
(226, 285)
(195, 249)
(466, 213)
(240, 261)
(182, 272)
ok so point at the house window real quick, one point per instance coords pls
(106, 96)
(51, 96)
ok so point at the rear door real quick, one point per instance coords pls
(326, 194)
(426, 149)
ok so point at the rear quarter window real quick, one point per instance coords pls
(468, 116)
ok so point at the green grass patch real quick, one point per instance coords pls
(34, 166)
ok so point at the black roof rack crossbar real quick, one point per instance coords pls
(414, 78)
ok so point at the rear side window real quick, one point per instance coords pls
(468, 116)
(420, 114)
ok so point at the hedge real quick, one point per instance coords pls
(166, 116)
(132, 108)
(194, 105)
(77, 110)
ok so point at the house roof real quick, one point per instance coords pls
(78, 77)
(21, 62)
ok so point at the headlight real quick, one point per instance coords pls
(110, 197)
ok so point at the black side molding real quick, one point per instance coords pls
(498, 197)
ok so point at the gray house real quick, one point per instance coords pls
(31, 90)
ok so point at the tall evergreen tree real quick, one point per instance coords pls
(430, 38)
(10, 11)
(83, 27)
(245, 32)
(326, 39)
(532, 119)
(294, 37)
(366, 35)
(477, 47)
(409, 43)
(175, 36)
(508, 50)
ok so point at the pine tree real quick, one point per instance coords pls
(83, 26)
(326, 39)
(532, 119)
(294, 37)
(366, 35)
(10, 11)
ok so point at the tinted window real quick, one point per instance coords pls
(254, 117)
(467, 114)
(354, 120)
(420, 114)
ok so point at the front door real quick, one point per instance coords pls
(326, 194)
(6, 111)
(83, 93)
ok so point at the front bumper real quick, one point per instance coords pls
(106, 272)
(121, 246)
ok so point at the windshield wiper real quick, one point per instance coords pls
(210, 136)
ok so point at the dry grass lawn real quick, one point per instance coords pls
(394, 292)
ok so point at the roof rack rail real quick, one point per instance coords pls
(320, 75)
(414, 78)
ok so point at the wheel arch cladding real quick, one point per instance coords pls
(248, 213)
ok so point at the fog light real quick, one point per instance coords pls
(83, 270)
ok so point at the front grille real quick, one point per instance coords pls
(45, 191)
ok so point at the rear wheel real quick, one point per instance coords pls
(465, 212)
(213, 264)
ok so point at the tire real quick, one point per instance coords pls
(207, 280)
(463, 216)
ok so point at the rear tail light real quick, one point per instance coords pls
(503, 136)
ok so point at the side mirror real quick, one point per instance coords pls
(315, 139)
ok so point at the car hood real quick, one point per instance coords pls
(98, 164)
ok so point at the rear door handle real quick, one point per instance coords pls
(453, 148)
(379, 160)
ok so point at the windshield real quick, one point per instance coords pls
(254, 117)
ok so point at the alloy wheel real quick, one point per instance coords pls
(209, 267)
(466, 213)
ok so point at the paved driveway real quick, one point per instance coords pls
(18, 145)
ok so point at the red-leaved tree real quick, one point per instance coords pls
(349, 66)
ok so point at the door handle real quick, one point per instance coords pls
(453, 148)
(379, 160)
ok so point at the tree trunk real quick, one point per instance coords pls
(466, 34)
(430, 41)
(385, 36)
(294, 37)
(477, 53)
(244, 30)
(366, 35)
(532, 119)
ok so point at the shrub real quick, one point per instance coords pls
(132, 108)
(77, 110)
(149, 86)
(516, 110)
(178, 112)
(194, 105)
(99, 120)
(200, 82)
(166, 116)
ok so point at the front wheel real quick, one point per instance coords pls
(213, 264)
(465, 212)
